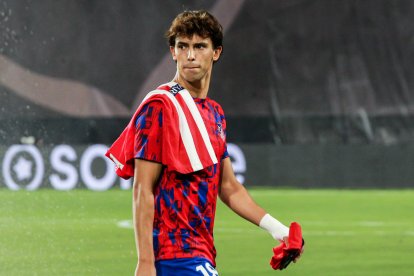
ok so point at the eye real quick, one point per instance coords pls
(181, 46)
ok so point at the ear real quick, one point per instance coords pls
(172, 51)
(217, 53)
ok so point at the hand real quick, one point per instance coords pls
(301, 251)
(290, 249)
(286, 241)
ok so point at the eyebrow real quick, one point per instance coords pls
(179, 43)
(204, 44)
(201, 44)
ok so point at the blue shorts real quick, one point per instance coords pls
(185, 267)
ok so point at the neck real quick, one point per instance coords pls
(197, 89)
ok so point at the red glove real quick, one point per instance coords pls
(284, 255)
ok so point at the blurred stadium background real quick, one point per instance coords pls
(317, 94)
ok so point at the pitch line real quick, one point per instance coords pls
(125, 224)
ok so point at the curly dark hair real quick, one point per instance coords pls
(199, 22)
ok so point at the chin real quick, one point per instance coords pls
(191, 79)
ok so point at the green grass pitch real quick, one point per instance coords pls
(347, 232)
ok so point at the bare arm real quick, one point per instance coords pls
(234, 195)
(146, 175)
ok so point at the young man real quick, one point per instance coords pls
(175, 148)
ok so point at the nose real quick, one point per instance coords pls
(190, 55)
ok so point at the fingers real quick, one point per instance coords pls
(300, 254)
(286, 240)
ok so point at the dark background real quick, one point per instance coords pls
(329, 79)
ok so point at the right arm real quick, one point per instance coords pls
(146, 175)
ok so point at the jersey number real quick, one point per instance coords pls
(206, 269)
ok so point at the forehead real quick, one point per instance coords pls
(193, 39)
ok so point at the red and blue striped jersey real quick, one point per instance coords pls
(185, 203)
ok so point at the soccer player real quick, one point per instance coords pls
(175, 148)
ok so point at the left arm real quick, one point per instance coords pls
(235, 196)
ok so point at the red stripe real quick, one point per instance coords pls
(164, 87)
(195, 132)
(177, 158)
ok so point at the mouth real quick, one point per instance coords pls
(191, 67)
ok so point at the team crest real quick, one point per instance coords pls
(220, 131)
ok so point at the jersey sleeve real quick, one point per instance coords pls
(148, 132)
(226, 153)
(223, 132)
(224, 126)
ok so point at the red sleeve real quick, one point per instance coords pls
(148, 132)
